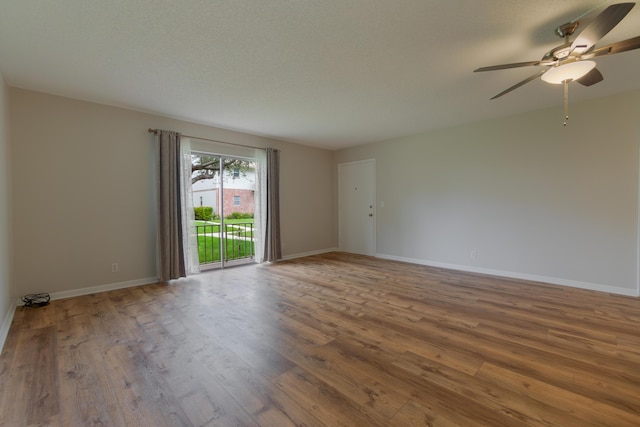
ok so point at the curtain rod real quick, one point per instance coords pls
(155, 132)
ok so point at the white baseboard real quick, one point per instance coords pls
(6, 324)
(103, 288)
(304, 254)
(514, 275)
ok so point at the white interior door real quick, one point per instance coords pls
(357, 189)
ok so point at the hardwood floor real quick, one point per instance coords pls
(328, 340)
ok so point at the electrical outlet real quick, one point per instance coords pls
(474, 254)
(114, 267)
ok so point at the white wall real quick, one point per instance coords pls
(84, 194)
(533, 199)
(6, 302)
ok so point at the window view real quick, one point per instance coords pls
(224, 200)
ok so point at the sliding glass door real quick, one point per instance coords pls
(224, 199)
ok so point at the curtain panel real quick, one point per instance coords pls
(170, 233)
(189, 232)
(272, 244)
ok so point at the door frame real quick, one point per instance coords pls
(257, 239)
(372, 171)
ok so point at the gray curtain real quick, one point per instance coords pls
(272, 245)
(170, 240)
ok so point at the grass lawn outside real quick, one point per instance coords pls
(209, 249)
(207, 227)
(238, 236)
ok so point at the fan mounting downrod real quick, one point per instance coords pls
(566, 30)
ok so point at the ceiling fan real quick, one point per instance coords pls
(573, 61)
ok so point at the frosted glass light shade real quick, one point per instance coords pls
(571, 71)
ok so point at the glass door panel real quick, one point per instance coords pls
(224, 204)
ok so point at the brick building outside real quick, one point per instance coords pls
(238, 192)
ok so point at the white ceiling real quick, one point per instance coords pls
(327, 73)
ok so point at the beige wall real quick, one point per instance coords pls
(84, 196)
(532, 198)
(5, 198)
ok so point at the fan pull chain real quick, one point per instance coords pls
(566, 102)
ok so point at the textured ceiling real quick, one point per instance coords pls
(327, 73)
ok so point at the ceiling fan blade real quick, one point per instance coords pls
(506, 66)
(600, 26)
(517, 85)
(610, 49)
(592, 77)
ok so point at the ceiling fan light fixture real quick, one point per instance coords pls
(568, 72)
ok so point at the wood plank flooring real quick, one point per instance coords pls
(327, 340)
